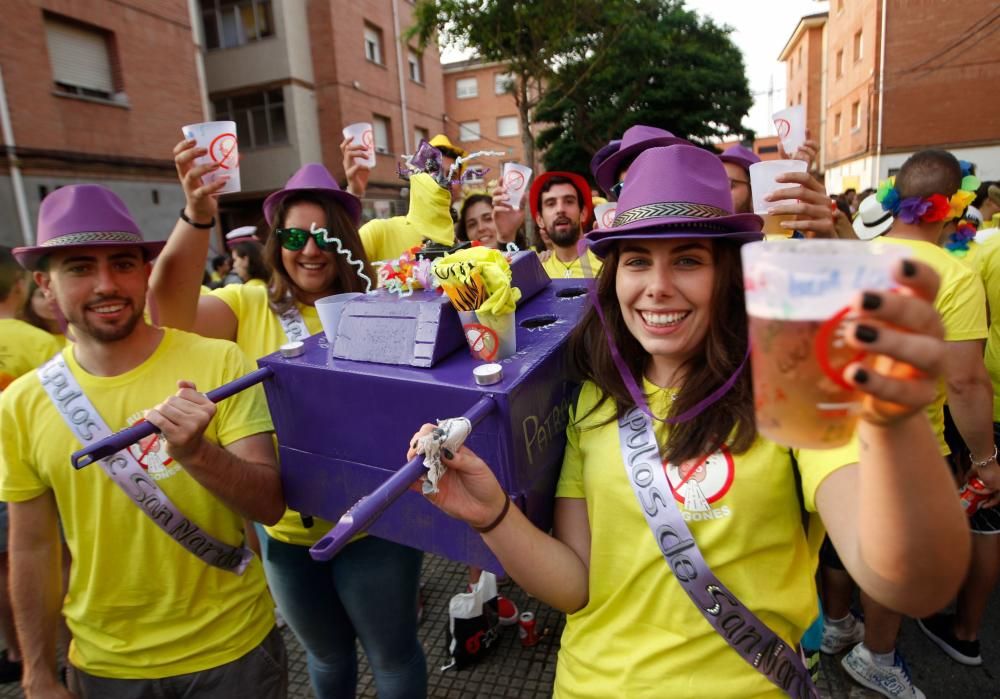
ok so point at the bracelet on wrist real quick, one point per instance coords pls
(500, 517)
(985, 462)
(203, 226)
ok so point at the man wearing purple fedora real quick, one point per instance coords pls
(164, 599)
(610, 170)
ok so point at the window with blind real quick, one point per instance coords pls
(230, 23)
(380, 127)
(81, 59)
(259, 117)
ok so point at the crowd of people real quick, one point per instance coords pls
(99, 323)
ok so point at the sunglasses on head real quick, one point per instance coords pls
(297, 238)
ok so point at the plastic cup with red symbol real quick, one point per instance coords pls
(363, 133)
(220, 140)
(515, 181)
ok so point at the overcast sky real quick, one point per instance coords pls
(760, 31)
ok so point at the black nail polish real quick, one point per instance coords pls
(870, 301)
(413, 444)
(909, 269)
(866, 333)
(447, 453)
(861, 376)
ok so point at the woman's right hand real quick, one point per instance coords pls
(201, 203)
(468, 490)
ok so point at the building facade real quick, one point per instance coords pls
(926, 85)
(83, 105)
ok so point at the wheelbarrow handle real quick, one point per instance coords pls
(114, 443)
(365, 511)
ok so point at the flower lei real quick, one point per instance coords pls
(930, 209)
(958, 242)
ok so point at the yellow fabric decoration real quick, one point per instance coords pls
(478, 279)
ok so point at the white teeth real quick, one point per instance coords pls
(109, 309)
(663, 319)
(311, 266)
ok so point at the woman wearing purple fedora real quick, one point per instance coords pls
(368, 592)
(720, 616)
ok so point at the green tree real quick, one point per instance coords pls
(663, 66)
(533, 37)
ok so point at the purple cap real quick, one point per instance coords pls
(313, 178)
(634, 141)
(739, 155)
(83, 215)
(603, 154)
(676, 192)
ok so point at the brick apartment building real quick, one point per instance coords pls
(292, 74)
(873, 103)
(95, 92)
(482, 115)
(766, 147)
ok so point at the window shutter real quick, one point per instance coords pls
(79, 57)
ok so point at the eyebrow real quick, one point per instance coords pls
(125, 255)
(680, 248)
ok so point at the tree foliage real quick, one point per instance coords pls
(658, 64)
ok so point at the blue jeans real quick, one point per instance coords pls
(369, 592)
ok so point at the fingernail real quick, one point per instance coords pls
(866, 333)
(870, 301)
(447, 453)
(413, 444)
(909, 269)
(861, 376)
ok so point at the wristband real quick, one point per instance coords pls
(985, 462)
(495, 523)
(203, 226)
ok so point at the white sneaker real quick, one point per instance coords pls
(891, 681)
(837, 639)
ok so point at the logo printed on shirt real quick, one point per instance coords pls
(151, 453)
(699, 483)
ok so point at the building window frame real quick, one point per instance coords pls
(856, 116)
(859, 46)
(271, 109)
(415, 65)
(503, 83)
(462, 88)
(260, 20)
(509, 120)
(83, 60)
(840, 64)
(374, 45)
(420, 134)
(382, 134)
(468, 134)
(837, 124)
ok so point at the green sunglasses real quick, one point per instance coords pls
(297, 238)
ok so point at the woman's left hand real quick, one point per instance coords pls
(904, 329)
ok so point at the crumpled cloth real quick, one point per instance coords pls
(450, 434)
(490, 265)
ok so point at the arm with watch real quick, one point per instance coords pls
(176, 279)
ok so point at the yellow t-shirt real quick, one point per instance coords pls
(23, 347)
(989, 268)
(961, 302)
(139, 605)
(640, 635)
(256, 282)
(260, 333)
(429, 217)
(557, 269)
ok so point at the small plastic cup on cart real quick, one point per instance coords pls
(490, 337)
(330, 308)
(219, 139)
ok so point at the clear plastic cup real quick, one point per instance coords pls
(515, 180)
(604, 214)
(762, 183)
(790, 124)
(329, 309)
(219, 139)
(797, 297)
(490, 337)
(363, 133)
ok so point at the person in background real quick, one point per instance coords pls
(475, 223)
(221, 265)
(249, 264)
(41, 313)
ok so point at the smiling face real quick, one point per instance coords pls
(664, 289)
(311, 268)
(479, 224)
(101, 290)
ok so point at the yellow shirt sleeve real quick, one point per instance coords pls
(570, 483)
(231, 296)
(962, 304)
(815, 465)
(246, 413)
(19, 478)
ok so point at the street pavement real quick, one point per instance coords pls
(515, 671)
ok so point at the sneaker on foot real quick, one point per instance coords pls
(891, 681)
(10, 670)
(837, 639)
(938, 628)
(507, 611)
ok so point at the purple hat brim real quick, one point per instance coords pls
(743, 228)
(29, 257)
(608, 170)
(736, 160)
(347, 200)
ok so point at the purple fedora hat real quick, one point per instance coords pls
(676, 192)
(634, 141)
(603, 154)
(83, 215)
(739, 155)
(316, 179)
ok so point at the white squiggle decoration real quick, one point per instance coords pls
(512, 247)
(459, 161)
(341, 250)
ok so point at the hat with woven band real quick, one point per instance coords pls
(313, 178)
(634, 141)
(83, 215)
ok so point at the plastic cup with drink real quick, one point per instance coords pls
(219, 139)
(330, 309)
(798, 294)
(515, 181)
(763, 181)
(362, 133)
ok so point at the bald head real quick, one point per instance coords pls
(929, 172)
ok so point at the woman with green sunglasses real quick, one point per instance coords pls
(369, 591)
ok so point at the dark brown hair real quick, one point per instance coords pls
(10, 272)
(552, 182)
(929, 172)
(730, 420)
(282, 291)
(460, 232)
(252, 251)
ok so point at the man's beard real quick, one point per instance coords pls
(564, 238)
(108, 334)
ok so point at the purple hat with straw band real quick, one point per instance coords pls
(739, 155)
(676, 192)
(313, 178)
(603, 154)
(634, 141)
(83, 215)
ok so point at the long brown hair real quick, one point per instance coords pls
(730, 419)
(282, 291)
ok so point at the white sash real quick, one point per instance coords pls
(293, 324)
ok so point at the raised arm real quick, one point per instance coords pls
(553, 569)
(176, 280)
(894, 517)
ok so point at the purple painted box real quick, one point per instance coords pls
(343, 425)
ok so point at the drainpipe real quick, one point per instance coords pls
(881, 93)
(27, 234)
(402, 76)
